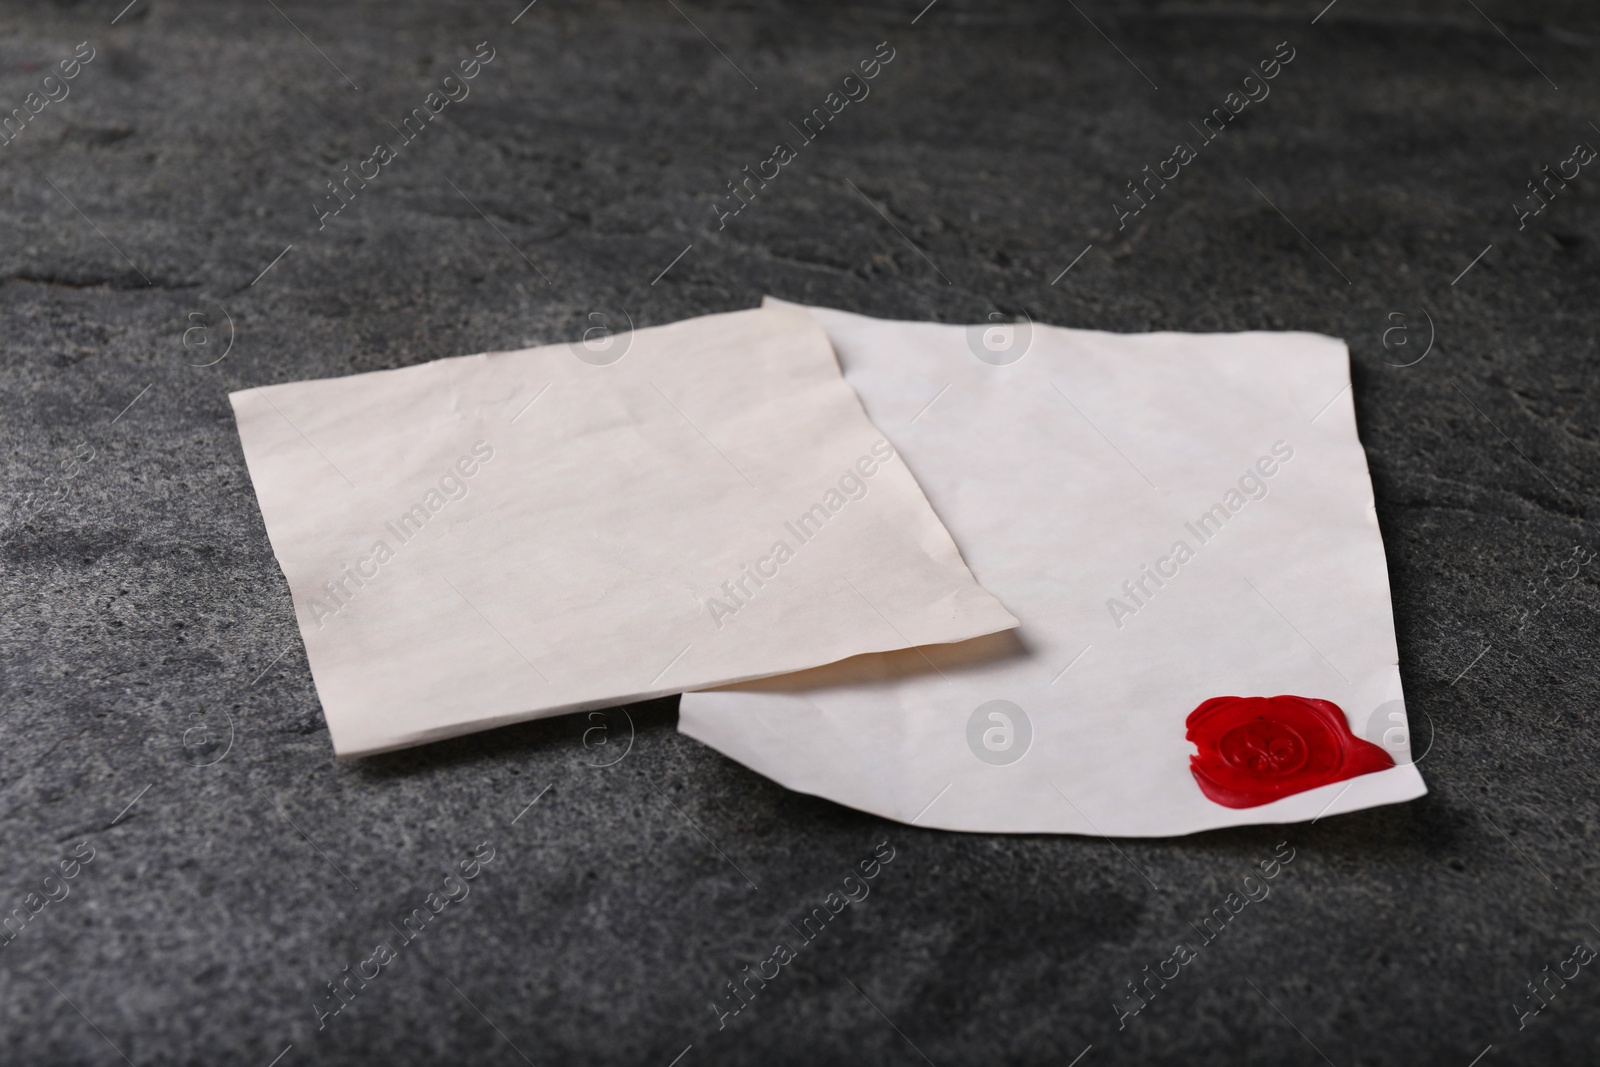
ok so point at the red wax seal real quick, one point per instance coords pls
(1254, 750)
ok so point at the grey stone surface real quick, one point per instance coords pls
(146, 628)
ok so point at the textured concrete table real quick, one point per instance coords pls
(162, 739)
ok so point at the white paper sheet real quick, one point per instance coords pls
(491, 538)
(1062, 475)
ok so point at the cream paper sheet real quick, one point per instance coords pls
(490, 538)
(1062, 475)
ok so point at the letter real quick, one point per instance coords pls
(784, 953)
(1188, 154)
(470, 869)
(479, 52)
(1148, 576)
(798, 534)
(1270, 868)
(763, 174)
(1548, 177)
(324, 1016)
(1233, 499)
(428, 102)
(1123, 1013)
(748, 976)
(861, 86)
(348, 178)
(421, 118)
(435, 908)
(751, 178)
(1269, 68)
(1584, 953)
(1222, 923)
(866, 467)
(865, 889)
(1142, 202)
(724, 216)
(818, 915)
(320, 611)
(361, 167)
(783, 153)
(363, 573)
(483, 450)
(1562, 968)
(21, 117)
(1206, 122)
(383, 154)
(1176, 968)
(1282, 450)
(1524, 1016)
(761, 967)
(34, 903)
(1278, 51)
(453, 487)
(348, 978)
(773, 573)
(869, 868)
(386, 954)
(722, 1016)
(466, 90)
(1148, 978)
(883, 450)
(1266, 90)
(719, 610)
(1163, 571)
(28, 100)
(1277, 851)
(65, 89)
(382, 553)
(77, 850)
(1253, 486)
(878, 852)
(338, 196)
(1182, 552)
(1180, 950)
(1148, 180)
(422, 923)
(813, 515)
(829, 901)
(733, 594)
(1548, 978)
(1583, 153)
(744, 587)
(466, 466)
(469, 68)
(69, 68)
(1267, 466)
(465, 889)
(878, 51)
(1261, 886)
(1114, 606)
(782, 552)
(1233, 899)
(434, 500)
(1123, 216)
(869, 68)
(376, 969)
(348, 577)
(1228, 100)
(21, 917)
(62, 886)
(853, 487)
(821, 118)
(1218, 515)
(1176, 168)
(1560, 167)
(1127, 589)
(1142, 583)
(69, 868)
